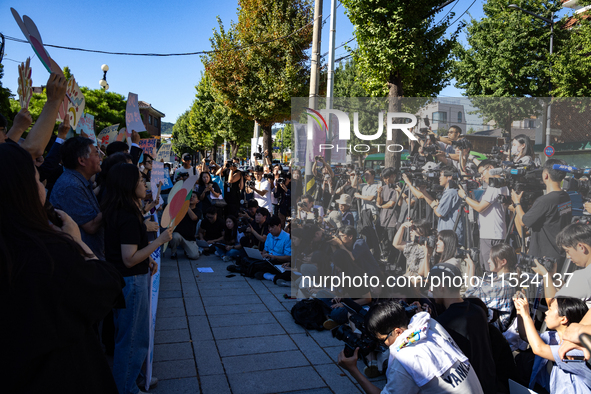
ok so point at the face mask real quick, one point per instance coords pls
(515, 150)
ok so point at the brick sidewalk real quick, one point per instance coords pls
(217, 335)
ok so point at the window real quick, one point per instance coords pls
(440, 117)
(150, 119)
(459, 117)
(529, 124)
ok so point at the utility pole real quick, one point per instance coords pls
(313, 98)
(330, 80)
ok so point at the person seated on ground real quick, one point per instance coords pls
(495, 292)
(256, 233)
(211, 229)
(445, 250)
(566, 376)
(466, 323)
(347, 218)
(250, 211)
(184, 233)
(307, 210)
(343, 265)
(358, 249)
(416, 264)
(230, 248)
(423, 356)
(277, 250)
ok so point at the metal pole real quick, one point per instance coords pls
(548, 114)
(313, 98)
(330, 79)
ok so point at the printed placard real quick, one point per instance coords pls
(133, 119)
(149, 145)
(160, 173)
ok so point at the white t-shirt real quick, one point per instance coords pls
(579, 286)
(310, 215)
(264, 201)
(459, 379)
(492, 220)
(370, 190)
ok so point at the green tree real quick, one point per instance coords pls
(108, 108)
(255, 71)
(571, 66)
(507, 56)
(284, 137)
(402, 52)
(183, 136)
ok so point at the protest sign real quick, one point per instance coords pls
(121, 135)
(160, 173)
(73, 104)
(85, 127)
(164, 152)
(153, 291)
(32, 35)
(133, 119)
(148, 145)
(108, 134)
(25, 83)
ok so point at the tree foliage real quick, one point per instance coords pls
(508, 56)
(259, 80)
(5, 96)
(401, 52)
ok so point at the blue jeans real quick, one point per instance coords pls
(233, 253)
(131, 333)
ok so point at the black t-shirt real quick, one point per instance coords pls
(124, 228)
(212, 230)
(187, 227)
(467, 325)
(548, 215)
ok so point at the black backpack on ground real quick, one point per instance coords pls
(310, 314)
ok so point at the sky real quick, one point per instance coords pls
(149, 26)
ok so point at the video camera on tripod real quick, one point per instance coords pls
(526, 179)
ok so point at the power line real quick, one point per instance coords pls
(342, 44)
(171, 54)
(448, 12)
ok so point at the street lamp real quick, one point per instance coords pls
(551, 23)
(103, 82)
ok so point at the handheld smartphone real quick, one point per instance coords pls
(52, 214)
(575, 359)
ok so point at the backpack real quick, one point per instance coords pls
(310, 314)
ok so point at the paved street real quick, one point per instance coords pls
(217, 335)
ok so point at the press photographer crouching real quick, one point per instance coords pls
(424, 358)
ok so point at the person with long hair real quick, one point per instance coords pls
(522, 150)
(232, 248)
(127, 248)
(445, 249)
(206, 190)
(53, 291)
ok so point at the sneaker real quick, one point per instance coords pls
(227, 258)
(371, 371)
(330, 324)
(283, 283)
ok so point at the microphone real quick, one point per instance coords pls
(562, 167)
(496, 171)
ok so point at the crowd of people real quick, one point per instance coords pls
(77, 231)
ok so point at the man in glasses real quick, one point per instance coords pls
(422, 349)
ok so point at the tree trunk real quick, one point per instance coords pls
(395, 93)
(214, 153)
(233, 149)
(268, 139)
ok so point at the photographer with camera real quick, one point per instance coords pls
(307, 210)
(423, 356)
(387, 198)
(494, 291)
(369, 192)
(282, 192)
(256, 233)
(448, 208)
(575, 240)
(548, 215)
(350, 187)
(324, 176)
(233, 184)
(416, 251)
(262, 188)
(491, 209)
